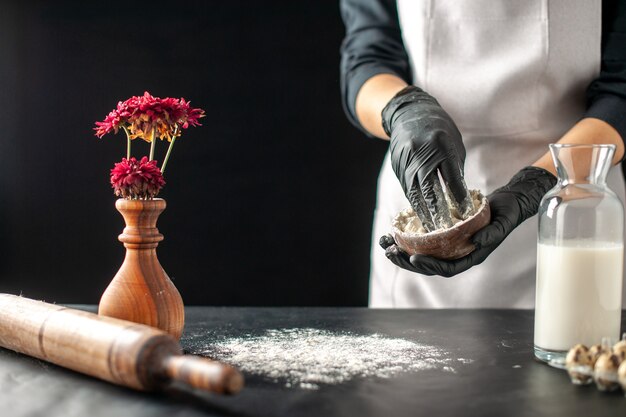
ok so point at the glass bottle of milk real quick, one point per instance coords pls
(580, 251)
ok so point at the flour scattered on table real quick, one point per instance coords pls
(306, 358)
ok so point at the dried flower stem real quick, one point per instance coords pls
(152, 145)
(127, 142)
(169, 150)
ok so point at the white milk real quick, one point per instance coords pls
(579, 294)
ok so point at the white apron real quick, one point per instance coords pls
(512, 74)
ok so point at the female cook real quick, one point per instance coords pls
(512, 76)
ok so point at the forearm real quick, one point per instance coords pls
(373, 97)
(587, 131)
(372, 46)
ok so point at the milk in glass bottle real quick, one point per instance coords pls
(579, 254)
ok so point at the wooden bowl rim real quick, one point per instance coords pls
(483, 203)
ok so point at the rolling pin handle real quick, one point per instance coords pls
(203, 374)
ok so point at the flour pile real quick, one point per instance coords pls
(306, 358)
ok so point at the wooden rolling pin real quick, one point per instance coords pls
(118, 351)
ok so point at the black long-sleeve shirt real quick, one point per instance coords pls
(373, 45)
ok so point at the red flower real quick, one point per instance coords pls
(134, 179)
(144, 116)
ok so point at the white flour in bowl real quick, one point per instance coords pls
(306, 358)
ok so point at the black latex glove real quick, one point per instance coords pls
(424, 139)
(510, 206)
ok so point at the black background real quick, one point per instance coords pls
(270, 202)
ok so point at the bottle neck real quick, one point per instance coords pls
(141, 219)
(582, 164)
(566, 180)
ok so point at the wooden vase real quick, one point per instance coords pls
(141, 291)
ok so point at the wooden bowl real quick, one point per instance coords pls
(452, 243)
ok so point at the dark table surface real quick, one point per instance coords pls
(498, 376)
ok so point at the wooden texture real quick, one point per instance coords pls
(141, 291)
(118, 351)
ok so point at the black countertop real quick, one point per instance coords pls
(497, 377)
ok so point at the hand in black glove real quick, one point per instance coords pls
(510, 206)
(424, 139)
